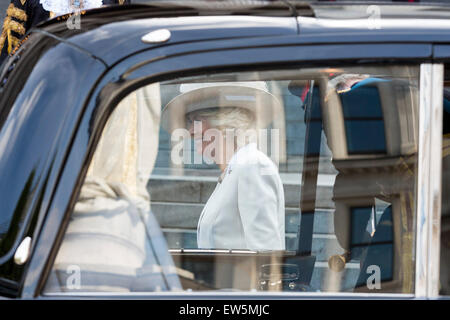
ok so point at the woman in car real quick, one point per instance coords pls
(246, 209)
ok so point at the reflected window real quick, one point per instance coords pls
(363, 116)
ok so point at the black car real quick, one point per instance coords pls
(103, 193)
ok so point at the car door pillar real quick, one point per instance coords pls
(429, 180)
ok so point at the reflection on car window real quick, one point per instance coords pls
(109, 242)
(296, 181)
(246, 208)
(368, 119)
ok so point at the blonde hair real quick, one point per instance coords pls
(241, 121)
(224, 118)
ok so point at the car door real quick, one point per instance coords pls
(34, 140)
(309, 155)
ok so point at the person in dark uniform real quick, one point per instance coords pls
(22, 15)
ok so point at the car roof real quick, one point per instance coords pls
(112, 33)
(397, 10)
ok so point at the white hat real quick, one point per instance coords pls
(252, 96)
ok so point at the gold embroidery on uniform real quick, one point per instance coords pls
(8, 26)
(23, 2)
(12, 42)
(17, 13)
(11, 25)
(14, 26)
(52, 14)
(9, 36)
(2, 40)
(3, 37)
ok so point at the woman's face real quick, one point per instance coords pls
(210, 141)
(197, 127)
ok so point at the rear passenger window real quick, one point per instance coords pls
(299, 180)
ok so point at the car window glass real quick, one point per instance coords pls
(299, 180)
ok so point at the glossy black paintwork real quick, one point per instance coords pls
(120, 39)
(34, 139)
(112, 35)
(53, 110)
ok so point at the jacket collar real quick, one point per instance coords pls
(239, 157)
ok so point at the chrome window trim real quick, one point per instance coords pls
(226, 295)
(429, 181)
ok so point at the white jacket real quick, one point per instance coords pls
(246, 209)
